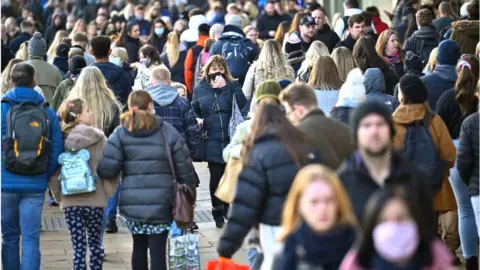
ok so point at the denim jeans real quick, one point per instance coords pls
(21, 216)
(466, 217)
(476, 209)
(112, 205)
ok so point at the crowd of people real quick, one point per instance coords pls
(353, 143)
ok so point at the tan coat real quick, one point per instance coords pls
(93, 140)
(47, 75)
(406, 114)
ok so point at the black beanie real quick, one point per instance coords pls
(413, 89)
(77, 63)
(412, 62)
(371, 107)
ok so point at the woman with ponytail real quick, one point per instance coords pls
(137, 149)
(84, 211)
(454, 106)
(174, 58)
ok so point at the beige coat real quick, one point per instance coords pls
(47, 75)
(93, 140)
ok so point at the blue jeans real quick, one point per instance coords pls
(466, 217)
(21, 215)
(112, 205)
(476, 209)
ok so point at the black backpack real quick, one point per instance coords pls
(420, 148)
(26, 144)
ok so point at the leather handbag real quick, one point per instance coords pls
(183, 199)
(228, 184)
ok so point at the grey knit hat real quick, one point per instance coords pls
(37, 45)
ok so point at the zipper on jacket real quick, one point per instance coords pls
(221, 121)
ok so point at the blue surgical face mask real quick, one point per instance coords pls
(139, 17)
(115, 60)
(159, 31)
(145, 61)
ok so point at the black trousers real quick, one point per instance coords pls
(157, 243)
(216, 173)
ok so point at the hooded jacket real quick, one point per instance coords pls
(467, 153)
(466, 34)
(190, 36)
(93, 140)
(147, 181)
(26, 183)
(327, 36)
(47, 75)
(422, 42)
(176, 111)
(62, 92)
(231, 32)
(118, 79)
(332, 138)
(132, 45)
(406, 114)
(262, 189)
(375, 87)
(61, 62)
(442, 79)
(214, 106)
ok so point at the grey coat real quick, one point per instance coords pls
(147, 181)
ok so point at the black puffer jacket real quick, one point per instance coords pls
(327, 36)
(467, 153)
(132, 45)
(147, 181)
(426, 37)
(261, 191)
(214, 106)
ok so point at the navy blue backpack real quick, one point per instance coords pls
(235, 53)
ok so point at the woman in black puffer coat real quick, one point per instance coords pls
(212, 103)
(137, 149)
(274, 152)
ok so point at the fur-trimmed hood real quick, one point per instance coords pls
(470, 28)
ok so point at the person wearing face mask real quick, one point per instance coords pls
(318, 222)
(158, 35)
(149, 58)
(212, 104)
(395, 236)
(119, 57)
(139, 18)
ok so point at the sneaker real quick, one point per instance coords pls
(111, 226)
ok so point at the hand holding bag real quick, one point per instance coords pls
(183, 199)
(228, 184)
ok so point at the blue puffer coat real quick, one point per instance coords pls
(437, 83)
(216, 118)
(31, 183)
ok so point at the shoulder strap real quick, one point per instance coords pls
(169, 155)
(9, 101)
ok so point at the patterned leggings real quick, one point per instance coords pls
(83, 221)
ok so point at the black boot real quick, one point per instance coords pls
(225, 210)
(472, 263)
(217, 214)
(111, 226)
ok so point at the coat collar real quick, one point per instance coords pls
(406, 114)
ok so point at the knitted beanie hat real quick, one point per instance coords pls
(268, 88)
(37, 45)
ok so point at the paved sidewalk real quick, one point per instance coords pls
(57, 250)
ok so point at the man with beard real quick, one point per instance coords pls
(302, 39)
(324, 33)
(376, 164)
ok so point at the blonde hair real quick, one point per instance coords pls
(271, 61)
(138, 117)
(68, 112)
(432, 59)
(173, 48)
(58, 37)
(343, 58)
(76, 26)
(218, 60)
(22, 53)
(75, 51)
(251, 9)
(291, 218)
(120, 52)
(477, 52)
(91, 87)
(316, 50)
(7, 75)
(324, 75)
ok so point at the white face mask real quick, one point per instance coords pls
(115, 60)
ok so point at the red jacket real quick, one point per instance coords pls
(379, 25)
(190, 62)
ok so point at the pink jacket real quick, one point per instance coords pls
(442, 259)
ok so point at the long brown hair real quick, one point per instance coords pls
(466, 84)
(68, 111)
(138, 117)
(282, 29)
(383, 40)
(344, 60)
(271, 117)
(7, 75)
(291, 218)
(220, 61)
(324, 75)
(366, 57)
(296, 22)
